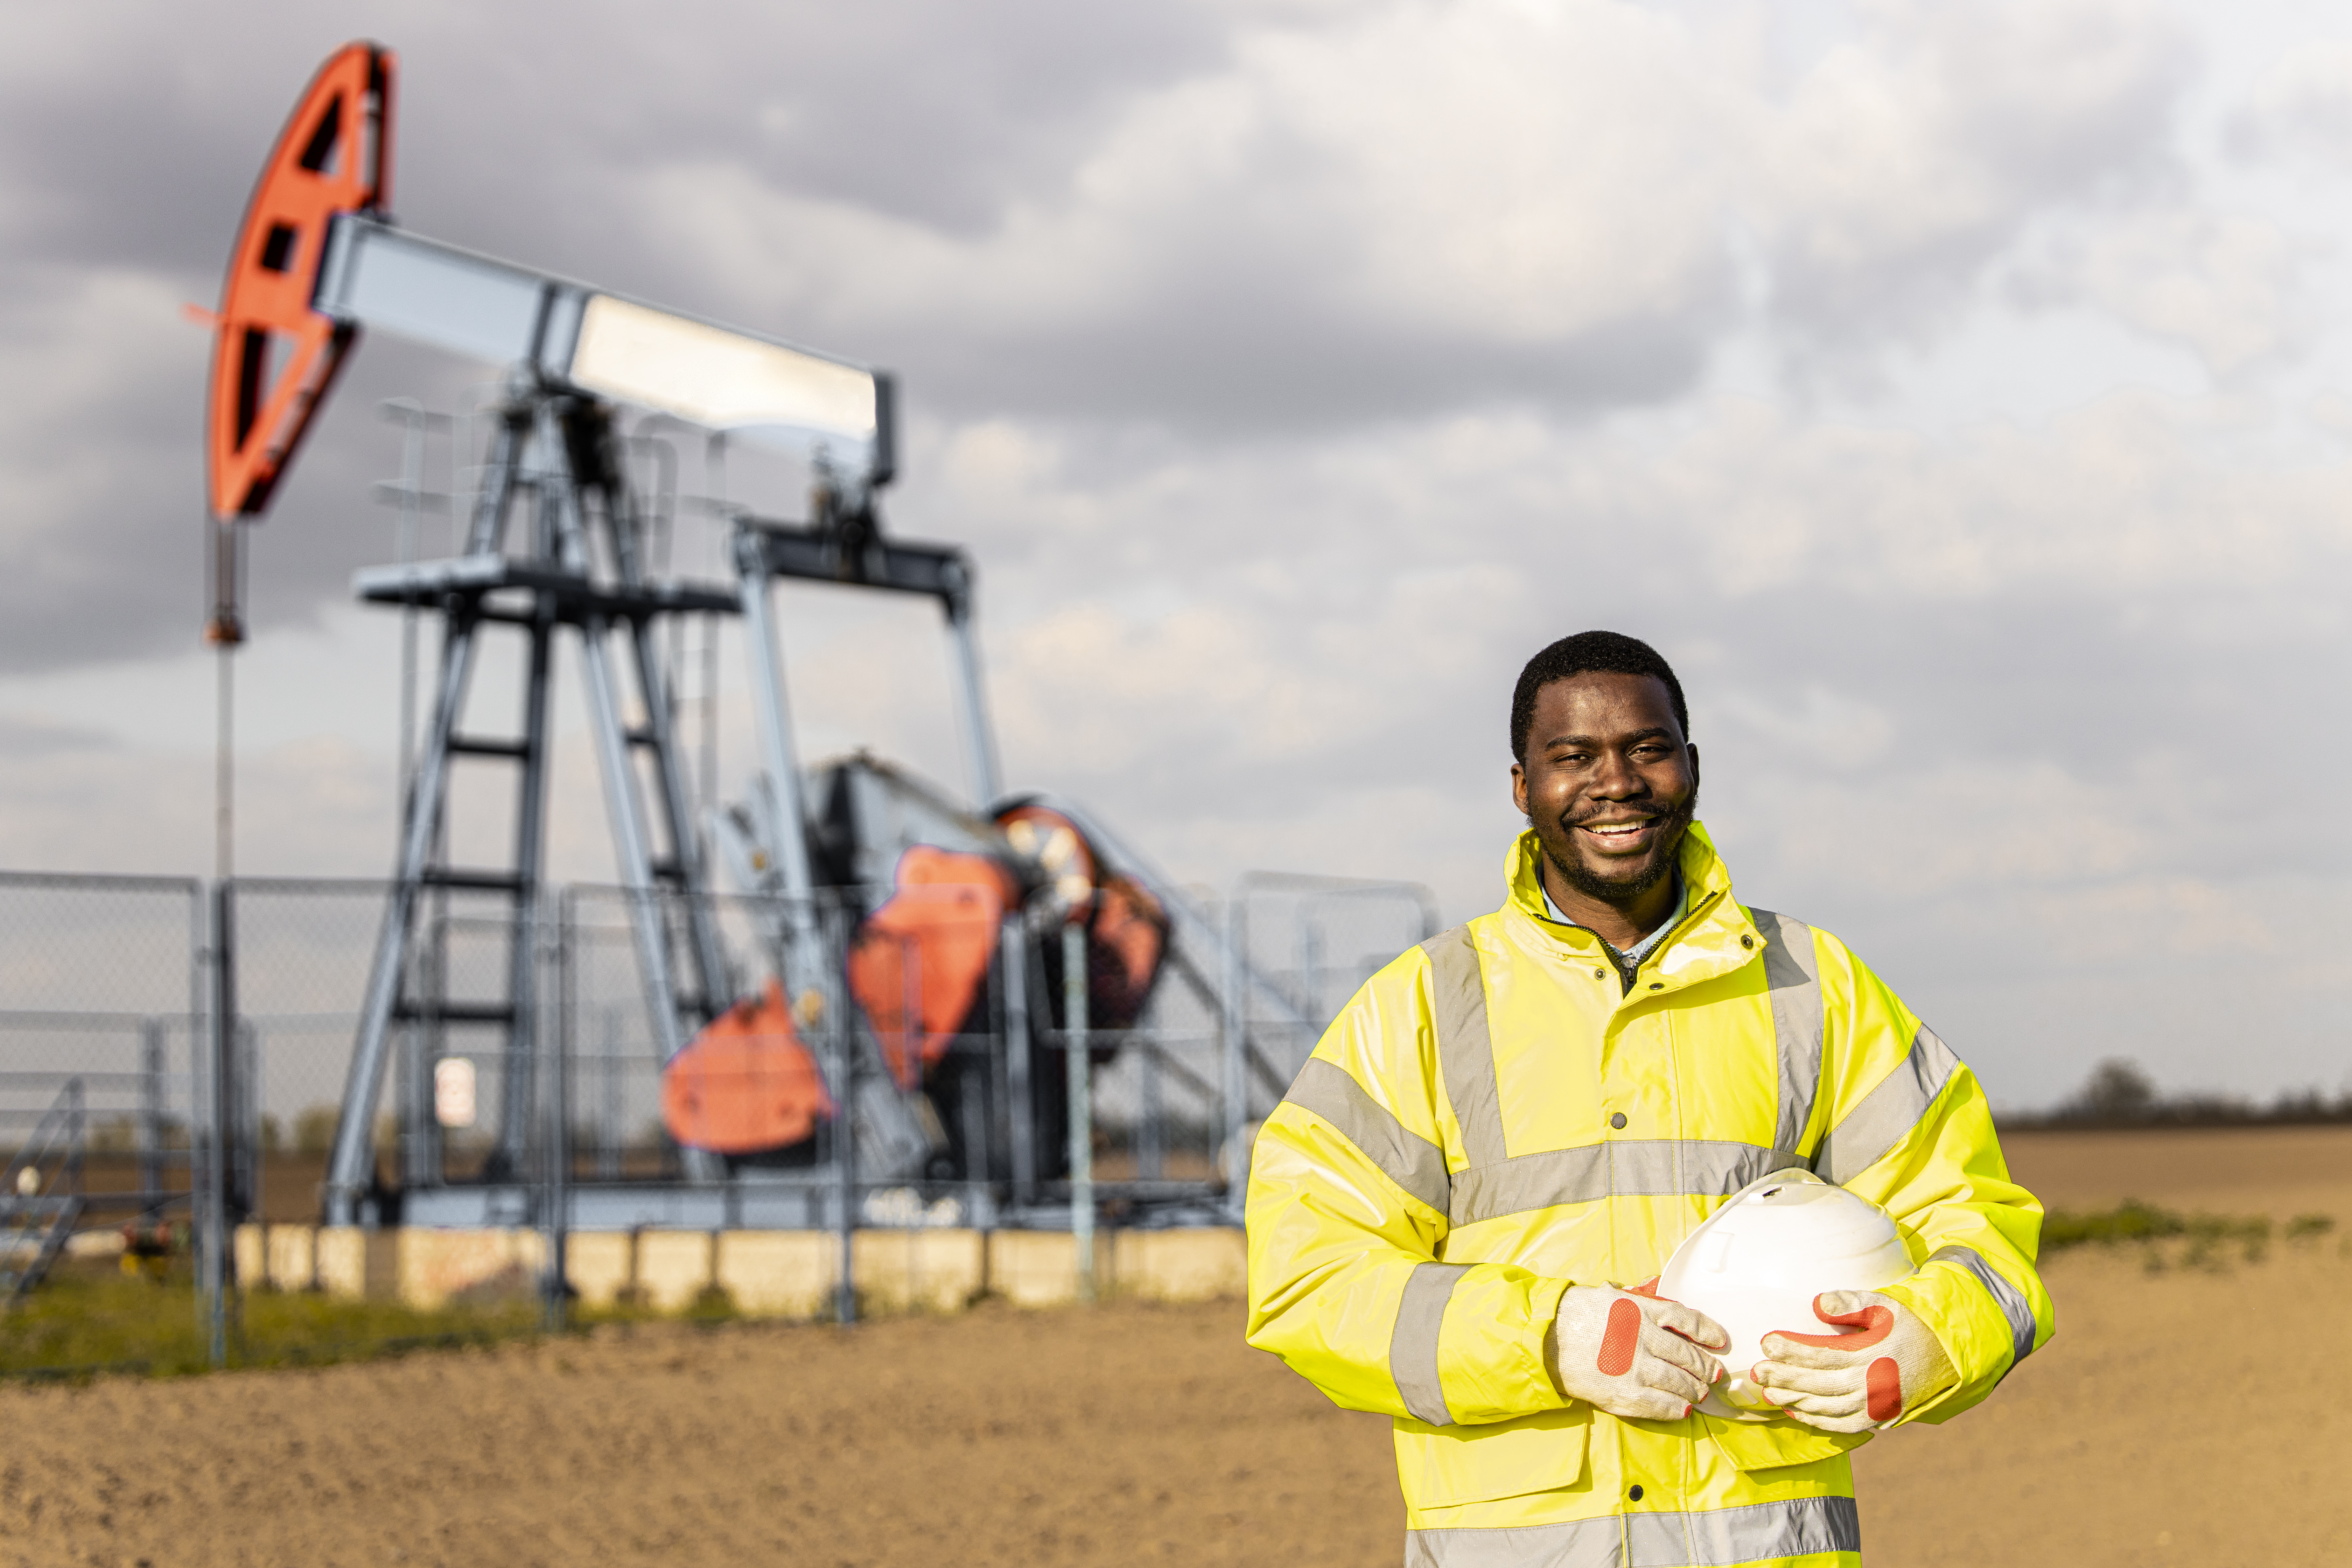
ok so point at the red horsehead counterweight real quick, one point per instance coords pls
(274, 355)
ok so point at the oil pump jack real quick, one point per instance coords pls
(895, 921)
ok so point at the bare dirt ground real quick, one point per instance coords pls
(2278, 1170)
(2188, 1417)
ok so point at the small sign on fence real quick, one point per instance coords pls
(453, 1091)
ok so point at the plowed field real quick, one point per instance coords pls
(2192, 1416)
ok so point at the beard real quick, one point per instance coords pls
(1633, 884)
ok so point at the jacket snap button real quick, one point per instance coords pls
(1618, 1119)
(1635, 1492)
(1748, 941)
(1596, 975)
(1657, 986)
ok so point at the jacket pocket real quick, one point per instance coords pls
(1440, 1466)
(1768, 1445)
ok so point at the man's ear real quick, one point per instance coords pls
(1692, 751)
(1519, 786)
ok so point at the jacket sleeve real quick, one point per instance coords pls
(1907, 1127)
(1347, 1211)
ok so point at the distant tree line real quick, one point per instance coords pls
(2119, 1093)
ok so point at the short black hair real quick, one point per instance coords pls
(1589, 653)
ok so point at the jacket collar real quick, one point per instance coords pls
(1706, 942)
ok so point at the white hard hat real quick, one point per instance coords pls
(1758, 1261)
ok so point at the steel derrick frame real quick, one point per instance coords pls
(568, 438)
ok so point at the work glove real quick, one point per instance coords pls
(1858, 1381)
(1633, 1354)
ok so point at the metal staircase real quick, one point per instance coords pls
(40, 1194)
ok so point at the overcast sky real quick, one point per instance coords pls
(1959, 394)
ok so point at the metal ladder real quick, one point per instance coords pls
(561, 447)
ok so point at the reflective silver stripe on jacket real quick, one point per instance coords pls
(1413, 1344)
(1494, 1184)
(1584, 1543)
(1713, 1537)
(1404, 1157)
(1794, 986)
(1628, 1167)
(1887, 1113)
(1457, 995)
(2006, 1296)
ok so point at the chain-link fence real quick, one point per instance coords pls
(101, 995)
(1313, 942)
(304, 949)
(1236, 1013)
(846, 1103)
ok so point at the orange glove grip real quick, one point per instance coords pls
(1856, 1382)
(1631, 1353)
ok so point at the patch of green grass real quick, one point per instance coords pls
(84, 1321)
(2206, 1239)
(2130, 1220)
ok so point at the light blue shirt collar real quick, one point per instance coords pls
(1640, 950)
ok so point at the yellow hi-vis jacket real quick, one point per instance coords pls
(1495, 1117)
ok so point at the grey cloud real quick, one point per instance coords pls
(2301, 110)
(2113, 775)
(1277, 469)
(128, 145)
(134, 133)
(1237, 367)
(2236, 291)
(105, 530)
(1902, 168)
(39, 740)
(1271, 295)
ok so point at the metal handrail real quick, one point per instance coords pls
(53, 1203)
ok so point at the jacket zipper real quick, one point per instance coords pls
(1627, 974)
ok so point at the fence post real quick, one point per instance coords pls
(76, 1138)
(1235, 1028)
(1150, 1143)
(1021, 1113)
(912, 1038)
(615, 1141)
(246, 1165)
(213, 1258)
(1310, 961)
(150, 1130)
(1081, 1080)
(558, 1080)
(415, 1090)
(844, 1117)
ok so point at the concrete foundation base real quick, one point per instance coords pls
(763, 1273)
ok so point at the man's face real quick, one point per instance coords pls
(1609, 785)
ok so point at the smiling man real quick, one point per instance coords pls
(1457, 1215)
